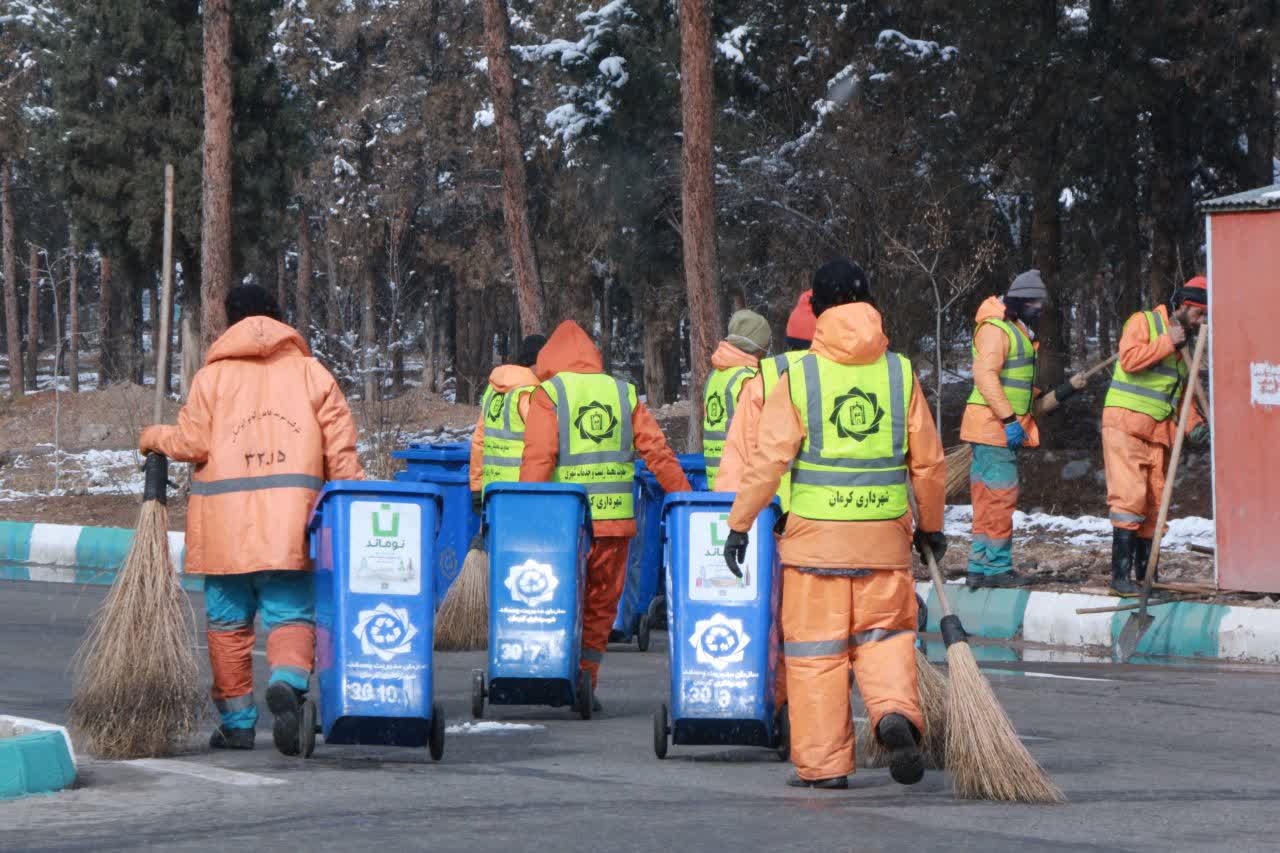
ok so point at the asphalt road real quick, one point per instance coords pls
(1152, 758)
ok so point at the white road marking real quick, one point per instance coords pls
(1029, 674)
(204, 771)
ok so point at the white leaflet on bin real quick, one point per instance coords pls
(386, 548)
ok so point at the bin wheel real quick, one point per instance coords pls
(657, 612)
(584, 694)
(783, 729)
(436, 744)
(643, 633)
(307, 728)
(477, 693)
(661, 729)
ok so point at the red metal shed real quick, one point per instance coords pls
(1244, 315)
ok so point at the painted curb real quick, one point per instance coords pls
(68, 553)
(36, 759)
(1184, 629)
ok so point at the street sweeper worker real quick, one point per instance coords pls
(1139, 419)
(851, 424)
(265, 427)
(586, 428)
(734, 363)
(497, 445)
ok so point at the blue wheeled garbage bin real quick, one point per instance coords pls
(445, 466)
(723, 630)
(641, 608)
(537, 537)
(373, 544)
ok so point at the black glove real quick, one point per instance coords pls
(1064, 392)
(477, 503)
(735, 552)
(936, 542)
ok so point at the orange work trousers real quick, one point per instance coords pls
(829, 623)
(606, 576)
(1135, 480)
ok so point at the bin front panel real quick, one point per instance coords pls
(458, 523)
(537, 546)
(723, 641)
(375, 612)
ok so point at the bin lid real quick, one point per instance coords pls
(535, 488)
(453, 451)
(718, 500)
(692, 463)
(381, 488)
(439, 476)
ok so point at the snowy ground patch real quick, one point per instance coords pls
(485, 727)
(1086, 530)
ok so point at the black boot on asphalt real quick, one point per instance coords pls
(835, 783)
(596, 707)
(1004, 580)
(285, 703)
(232, 738)
(1123, 543)
(906, 762)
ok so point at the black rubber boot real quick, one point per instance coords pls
(596, 707)
(285, 703)
(1123, 545)
(224, 738)
(835, 783)
(906, 763)
(1004, 580)
(1141, 555)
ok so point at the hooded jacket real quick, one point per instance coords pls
(848, 334)
(728, 356)
(1137, 353)
(570, 350)
(984, 424)
(505, 378)
(265, 426)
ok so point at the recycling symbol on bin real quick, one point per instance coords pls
(719, 641)
(385, 631)
(532, 583)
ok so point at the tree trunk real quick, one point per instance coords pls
(1106, 310)
(13, 328)
(108, 360)
(1046, 242)
(368, 337)
(698, 203)
(333, 306)
(33, 317)
(302, 310)
(73, 316)
(1261, 120)
(282, 289)
(655, 366)
(515, 189)
(215, 223)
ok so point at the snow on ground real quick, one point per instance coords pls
(87, 472)
(1087, 530)
(485, 727)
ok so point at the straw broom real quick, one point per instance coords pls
(932, 687)
(463, 622)
(983, 752)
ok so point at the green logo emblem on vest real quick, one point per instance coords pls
(495, 406)
(596, 422)
(857, 415)
(715, 409)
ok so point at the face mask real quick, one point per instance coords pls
(1031, 317)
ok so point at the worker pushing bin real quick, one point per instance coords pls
(642, 607)
(445, 466)
(723, 630)
(537, 537)
(373, 544)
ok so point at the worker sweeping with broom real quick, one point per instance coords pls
(851, 424)
(265, 426)
(1139, 418)
(586, 428)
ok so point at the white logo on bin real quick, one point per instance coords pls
(532, 583)
(719, 641)
(385, 631)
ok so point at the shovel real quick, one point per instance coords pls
(1137, 625)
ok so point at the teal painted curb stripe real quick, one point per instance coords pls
(103, 547)
(37, 763)
(1186, 629)
(993, 613)
(15, 541)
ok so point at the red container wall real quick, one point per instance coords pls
(1244, 311)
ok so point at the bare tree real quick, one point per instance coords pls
(73, 314)
(302, 310)
(106, 346)
(515, 189)
(215, 223)
(12, 328)
(698, 212)
(33, 316)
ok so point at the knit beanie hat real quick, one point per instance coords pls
(749, 332)
(1194, 292)
(1028, 286)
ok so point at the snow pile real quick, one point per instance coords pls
(485, 727)
(1087, 530)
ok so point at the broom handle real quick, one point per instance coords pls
(1188, 400)
(939, 584)
(165, 310)
(1049, 401)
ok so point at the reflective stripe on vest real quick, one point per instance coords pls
(1019, 371)
(852, 465)
(597, 447)
(719, 403)
(503, 435)
(1153, 391)
(771, 371)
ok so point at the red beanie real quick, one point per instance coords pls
(1195, 292)
(802, 324)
